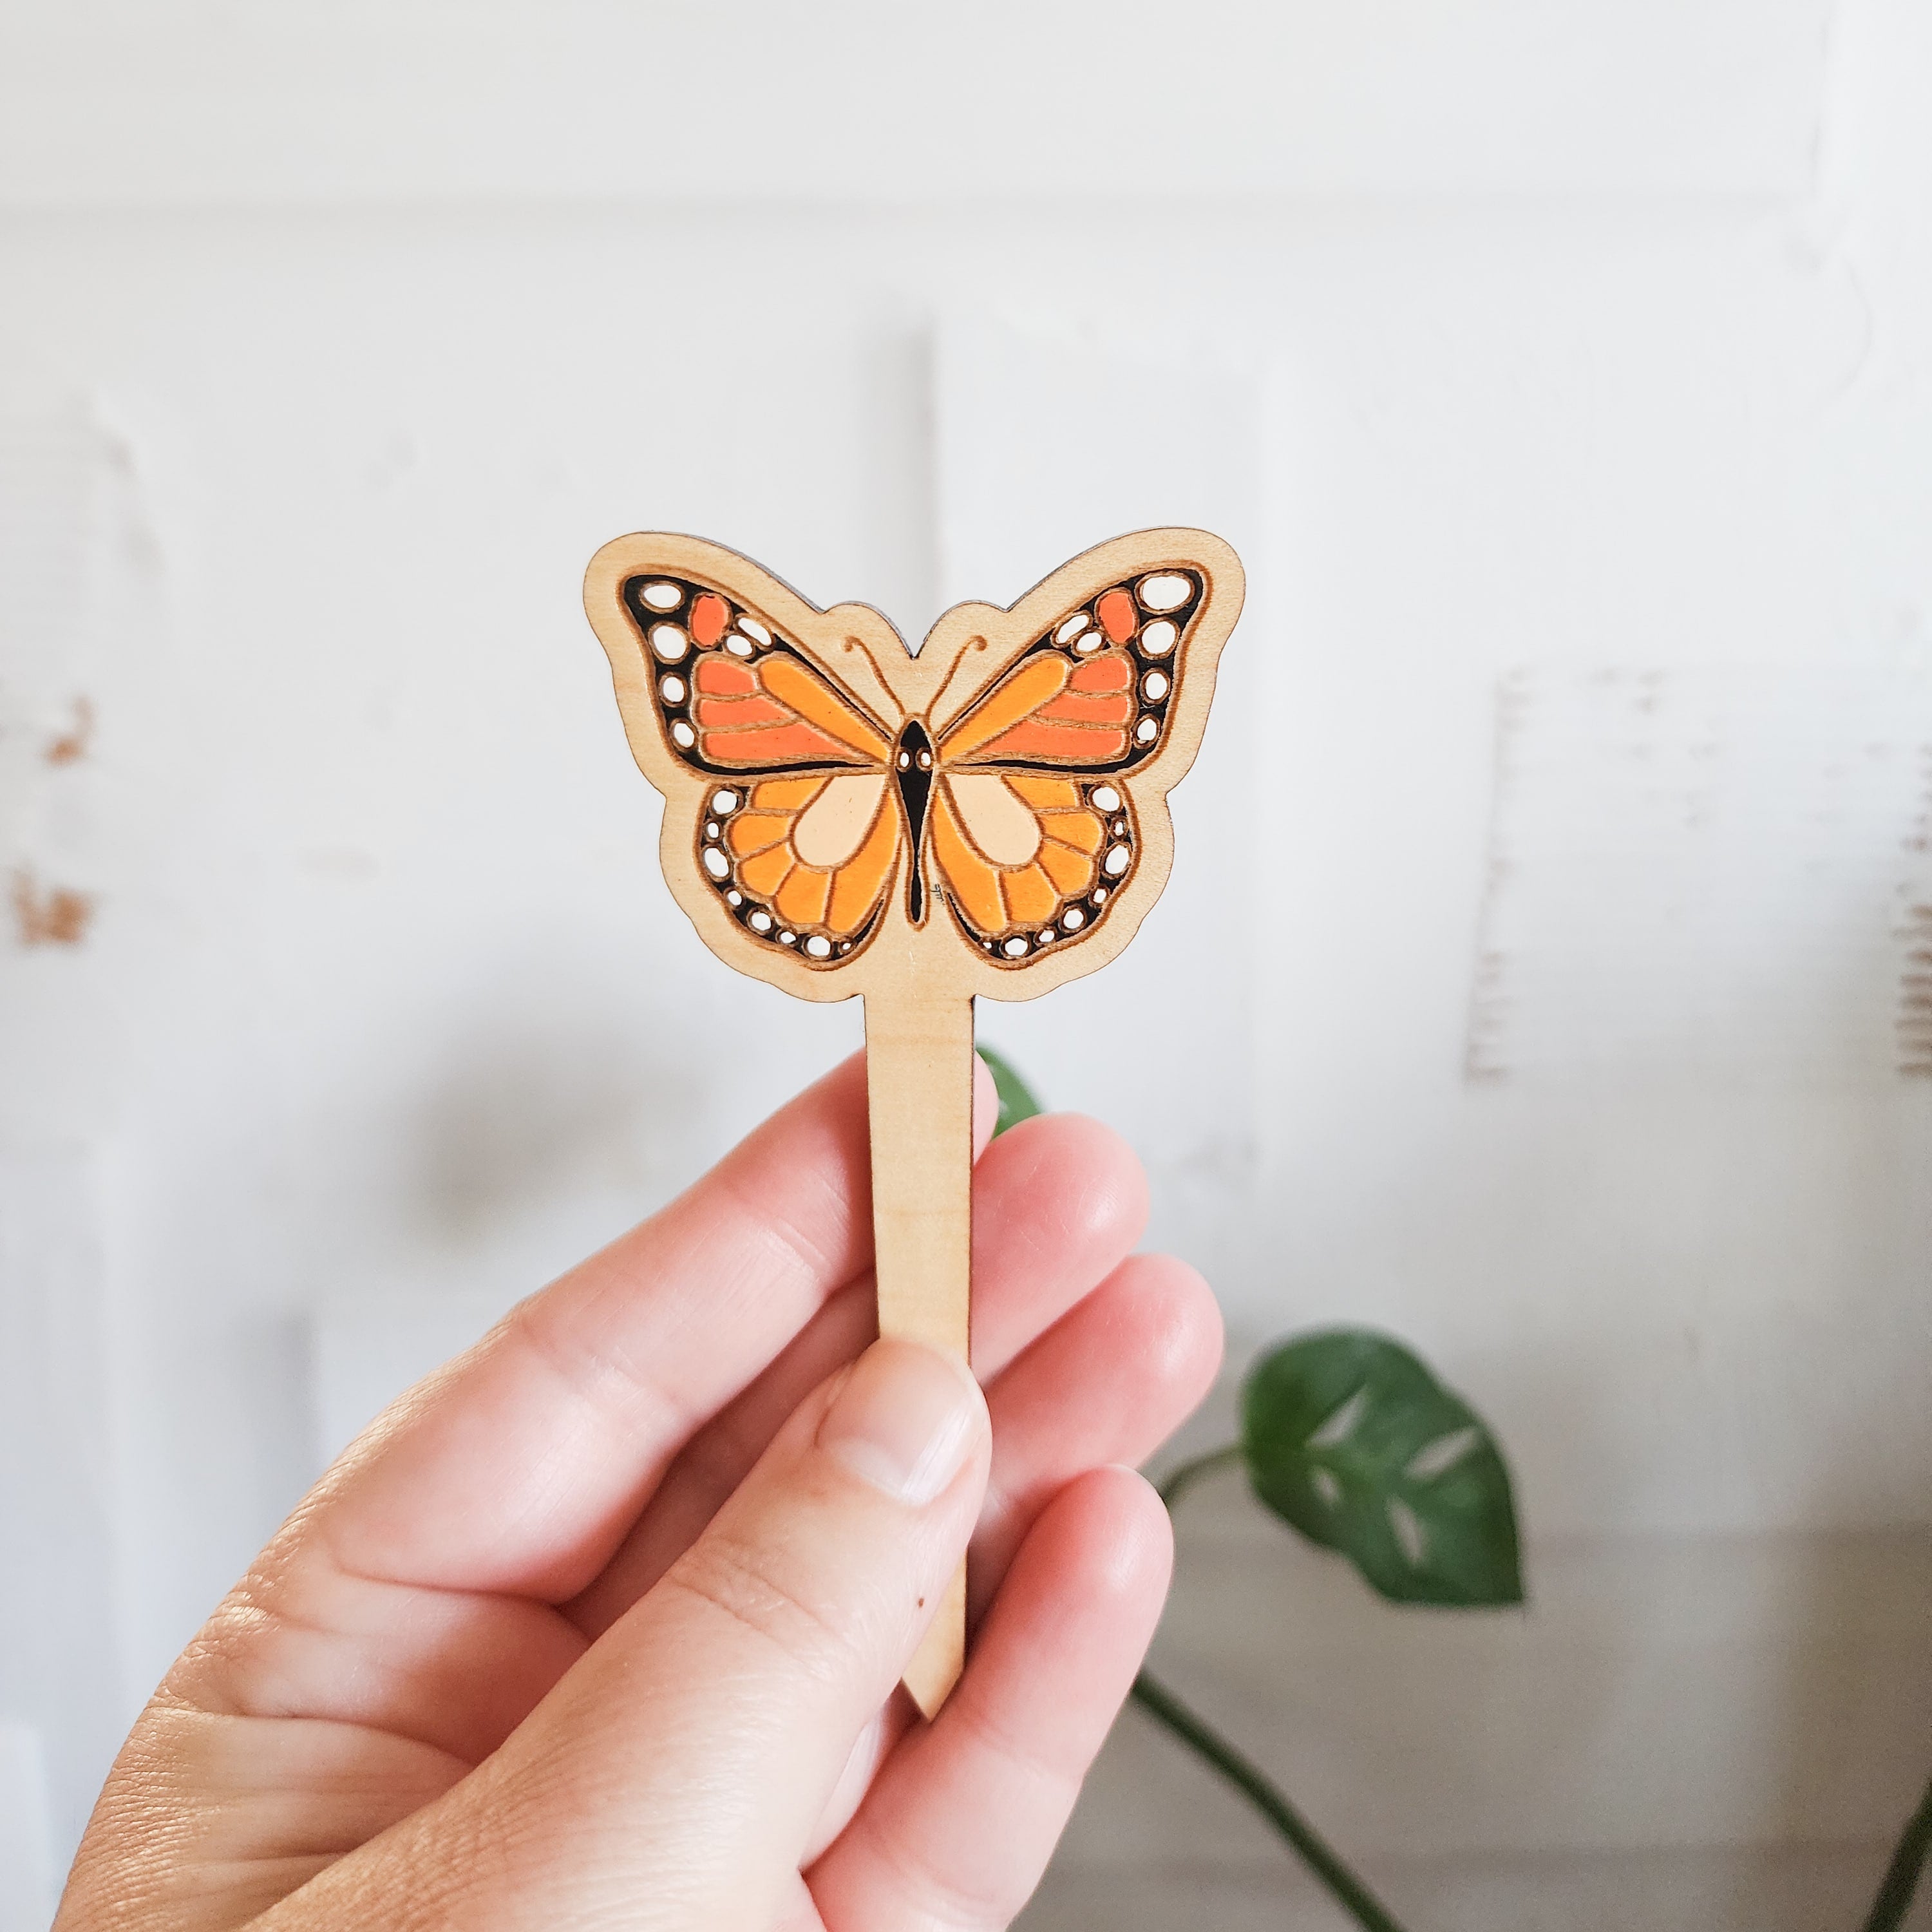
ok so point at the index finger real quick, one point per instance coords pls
(519, 1467)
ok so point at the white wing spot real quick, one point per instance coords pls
(1157, 640)
(1167, 591)
(663, 596)
(669, 642)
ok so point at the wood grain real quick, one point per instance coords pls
(918, 1090)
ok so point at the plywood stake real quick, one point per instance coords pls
(987, 818)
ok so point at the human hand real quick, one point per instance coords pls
(601, 1625)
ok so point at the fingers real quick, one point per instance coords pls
(520, 1468)
(959, 1825)
(1056, 1204)
(687, 1755)
(1108, 1383)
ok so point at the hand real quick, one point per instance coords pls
(601, 1625)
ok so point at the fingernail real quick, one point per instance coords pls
(905, 1419)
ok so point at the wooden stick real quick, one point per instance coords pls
(918, 1087)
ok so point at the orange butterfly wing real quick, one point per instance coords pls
(1033, 826)
(800, 837)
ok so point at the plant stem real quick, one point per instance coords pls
(1902, 1875)
(1182, 1479)
(1247, 1778)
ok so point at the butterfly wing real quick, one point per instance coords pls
(796, 835)
(732, 696)
(1036, 825)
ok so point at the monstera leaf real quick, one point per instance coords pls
(1349, 1438)
(1016, 1100)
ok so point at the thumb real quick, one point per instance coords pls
(688, 1755)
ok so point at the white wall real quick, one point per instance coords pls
(1534, 979)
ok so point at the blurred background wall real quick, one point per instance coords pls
(1547, 975)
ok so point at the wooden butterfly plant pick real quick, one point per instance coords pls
(989, 816)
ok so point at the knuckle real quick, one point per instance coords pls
(732, 1579)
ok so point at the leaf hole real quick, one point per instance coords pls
(1409, 1533)
(1438, 1458)
(1323, 1483)
(1341, 1425)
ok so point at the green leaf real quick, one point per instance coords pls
(1016, 1100)
(1350, 1438)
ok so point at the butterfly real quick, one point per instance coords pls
(995, 802)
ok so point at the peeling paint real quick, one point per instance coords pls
(1710, 868)
(71, 746)
(50, 915)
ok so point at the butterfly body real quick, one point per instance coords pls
(988, 813)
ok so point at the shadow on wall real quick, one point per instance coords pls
(541, 1110)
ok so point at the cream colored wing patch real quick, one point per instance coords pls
(834, 825)
(997, 820)
(804, 862)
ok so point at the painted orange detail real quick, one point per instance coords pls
(816, 702)
(754, 831)
(1076, 744)
(1046, 794)
(709, 614)
(858, 883)
(775, 744)
(1076, 707)
(724, 677)
(1037, 680)
(801, 898)
(1079, 829)
(739, 714)
(785, 794)
(767, 872)
(1115, 610)
(1072, 871)
(1029, 894)
(1110, 671)
(974, 883)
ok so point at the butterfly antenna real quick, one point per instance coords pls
(859, 645)
(935, 709)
